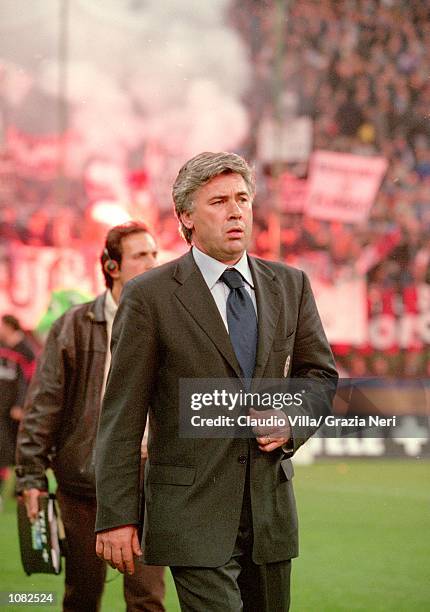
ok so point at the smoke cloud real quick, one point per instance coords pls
(163, 78)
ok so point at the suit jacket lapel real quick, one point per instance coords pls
(268, 306)
(196, 297)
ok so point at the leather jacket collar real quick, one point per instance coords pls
(97, 311)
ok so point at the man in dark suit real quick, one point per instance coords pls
(220, 512)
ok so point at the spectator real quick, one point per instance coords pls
(16, 368)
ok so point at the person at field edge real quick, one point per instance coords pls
(61, 419)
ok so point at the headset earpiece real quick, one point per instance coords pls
(110, 265)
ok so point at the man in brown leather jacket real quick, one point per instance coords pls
(61, 419)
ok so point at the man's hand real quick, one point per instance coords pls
(16, 413)
(117, 547)
(31, 501)
(270, 438)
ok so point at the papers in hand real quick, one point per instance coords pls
(41, 541)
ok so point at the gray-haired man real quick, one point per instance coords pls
(220, 512)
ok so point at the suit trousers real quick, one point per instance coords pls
(240, 585)
(85, 572)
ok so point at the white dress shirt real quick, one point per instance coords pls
(110, 308)
(212, 269)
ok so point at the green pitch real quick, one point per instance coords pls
(365, 537)
(365, 542)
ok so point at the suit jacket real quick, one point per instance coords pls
(168, 327)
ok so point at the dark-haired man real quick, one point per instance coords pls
(219, 511)
(61, 420)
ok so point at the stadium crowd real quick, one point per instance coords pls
(359, 70)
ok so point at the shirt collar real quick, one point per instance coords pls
(212, 269)
(110, 306)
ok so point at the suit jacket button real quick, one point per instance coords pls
(242, 459)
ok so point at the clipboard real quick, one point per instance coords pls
(42, 543)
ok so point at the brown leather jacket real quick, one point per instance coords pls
(63, 403)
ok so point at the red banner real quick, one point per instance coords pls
(399, 320)
(29, 274)
(342, 187)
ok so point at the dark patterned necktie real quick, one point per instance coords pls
(242, 321)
